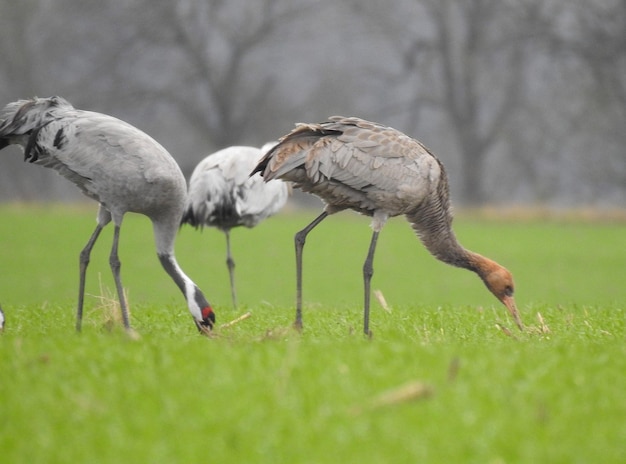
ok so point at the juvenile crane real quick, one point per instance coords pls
(380, 172)
(120, 167)
(222, 194)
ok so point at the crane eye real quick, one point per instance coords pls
(508, 290)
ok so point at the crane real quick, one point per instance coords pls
(120, 167)
(222, 194)
(380, 172)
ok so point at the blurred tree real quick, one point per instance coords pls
(588, 43)
(19, 48)
(20, 74)
(597, 36)
(524, 100)
(466, 60)
(210, 48)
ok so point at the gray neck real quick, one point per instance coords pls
(443, 245)
(196, 301)
(171, 267)
(432, 221)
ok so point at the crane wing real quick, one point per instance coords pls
(104, 156)
(258, 200)
(350, 159)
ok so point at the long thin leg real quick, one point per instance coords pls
(368, 272)
(230, 263)
(83, 263)
(300, 239)
(114, 261)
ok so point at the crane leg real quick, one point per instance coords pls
(300, 239)
(83, 263)
(116, 265)
(368, 272)
(230, 263)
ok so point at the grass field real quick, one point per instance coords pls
(441, 380)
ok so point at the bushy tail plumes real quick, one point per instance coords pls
(21, 118)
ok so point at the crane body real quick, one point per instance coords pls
(223, 195)
(380, 172)
(117, 165)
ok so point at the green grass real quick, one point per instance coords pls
(259, 392)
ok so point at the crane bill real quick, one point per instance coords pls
(204, 330)
(509, 302)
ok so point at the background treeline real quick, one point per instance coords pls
(523, 100)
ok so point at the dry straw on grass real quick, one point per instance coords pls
(243, 317)
(109, 308)
(378, 294)
(411, 391)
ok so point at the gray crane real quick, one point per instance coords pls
(222, 194)
(120, 167)
(380, 172)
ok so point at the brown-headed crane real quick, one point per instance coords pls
(119, 166)
(380, 172)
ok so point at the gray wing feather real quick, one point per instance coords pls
(353, 163)
(109, 160)
(261, 200)
(221, 182)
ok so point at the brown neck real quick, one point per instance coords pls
(432, 221)
(443, 245)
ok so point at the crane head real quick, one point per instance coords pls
(205, 325)
(499, 281)
(199, 307)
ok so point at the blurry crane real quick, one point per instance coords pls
(1, 320)
(222, 194)
(116, 164)
(379, 172)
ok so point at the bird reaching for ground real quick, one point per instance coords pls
(223, 195)
(380, 172)
(120, 167)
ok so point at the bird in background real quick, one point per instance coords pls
(222, 194)
(119, 166)
(1, 320)
(380, 172)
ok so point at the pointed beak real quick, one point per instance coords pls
(205, 325)
(203, 328)
(509, 302)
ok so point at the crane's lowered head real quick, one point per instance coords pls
(499, 281)
(200, 309)
(205, 325)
